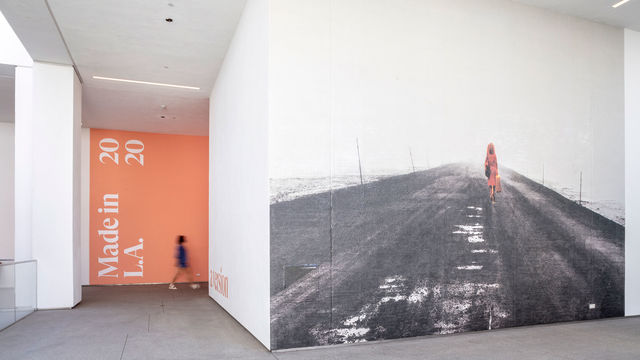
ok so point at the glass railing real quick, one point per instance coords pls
(18, 281)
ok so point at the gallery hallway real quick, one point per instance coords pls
(151, 322)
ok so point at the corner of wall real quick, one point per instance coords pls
(632, 171)
(238, 177)
(85, 165)
(77, 190)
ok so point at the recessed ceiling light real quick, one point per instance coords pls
(620, 3)
(146, 83)
(171, 20)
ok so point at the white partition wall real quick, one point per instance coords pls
(239, 188)
(316, 90)
(632, 133)
(55, 195)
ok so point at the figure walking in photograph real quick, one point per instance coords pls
(491, 171)
(182, 265)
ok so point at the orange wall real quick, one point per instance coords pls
(164, 196)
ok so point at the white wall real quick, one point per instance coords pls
(239, 190)
(7, 94)
(7, 174)
(56, 184)
(632, 133)
(85, 167)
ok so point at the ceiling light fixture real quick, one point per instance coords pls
(146, 83)
(171, 20)
(620, 3)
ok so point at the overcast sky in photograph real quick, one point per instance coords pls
(557, 104)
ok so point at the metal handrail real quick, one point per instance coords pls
(17, 262)
(26, 306)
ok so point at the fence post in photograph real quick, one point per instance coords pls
(359, 162)
(411, 157)
(360, 168)
(580, 196)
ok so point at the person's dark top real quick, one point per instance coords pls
(182, 256)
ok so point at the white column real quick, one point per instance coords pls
(632, 171)
(7, 194)
(23, 137)
(84, 207)
(55, 197)
(25, 279)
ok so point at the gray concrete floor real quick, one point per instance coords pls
(152, 322)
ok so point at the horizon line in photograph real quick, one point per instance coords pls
(286, 189)
(561, 166)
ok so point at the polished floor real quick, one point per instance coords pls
(152, 322)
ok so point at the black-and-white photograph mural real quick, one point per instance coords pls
(429, 253)
(417, 190)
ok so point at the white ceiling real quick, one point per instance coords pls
(7, 93)
(131, 40)
(627, 15)
(36, 29)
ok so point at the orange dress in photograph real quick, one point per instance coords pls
(492, 161)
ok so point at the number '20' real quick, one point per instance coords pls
(110, 147)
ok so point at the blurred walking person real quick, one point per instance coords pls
(182, 265)
(491, 171)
